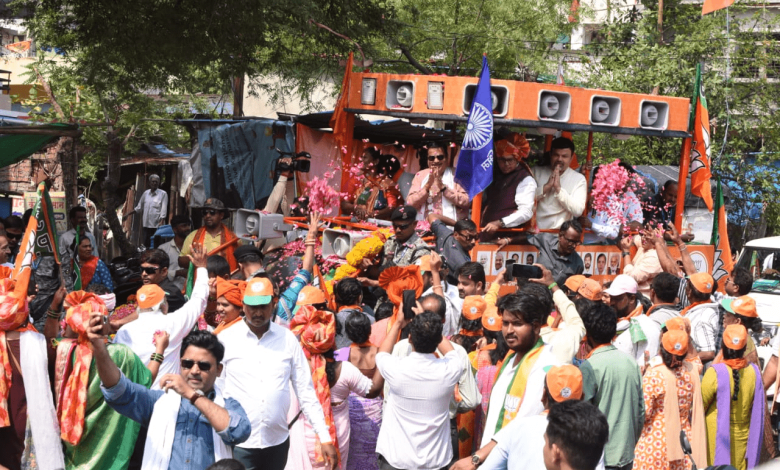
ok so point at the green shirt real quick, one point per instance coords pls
(612, 381)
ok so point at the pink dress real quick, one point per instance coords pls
(350, 380)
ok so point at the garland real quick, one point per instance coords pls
(365, 248)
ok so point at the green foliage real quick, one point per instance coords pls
(740, 60)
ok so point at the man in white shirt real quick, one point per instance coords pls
(561, 192)
(415, 432)
(181, 228)
(261, 360)
(154, 206)
(153, 316)
(467, 383)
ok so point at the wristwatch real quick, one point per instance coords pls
(476, 460)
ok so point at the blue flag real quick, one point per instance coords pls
(475, 164)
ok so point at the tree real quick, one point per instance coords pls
(739, 62)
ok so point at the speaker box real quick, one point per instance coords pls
(340, 242)
(499, 97)
(400, 95)
(605, 110)
(253, 225)
(653, 115)
(554, 106)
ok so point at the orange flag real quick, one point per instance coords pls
(343, 125)
(723, 263)
(712, 5)
(700, 151)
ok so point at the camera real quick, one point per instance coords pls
(301, 162)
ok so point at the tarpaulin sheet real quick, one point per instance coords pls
(236, 159)
(16, 147)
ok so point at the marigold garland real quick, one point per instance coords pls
(365, 248)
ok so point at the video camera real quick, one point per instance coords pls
(301, 161)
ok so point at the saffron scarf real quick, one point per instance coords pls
(224, 326)
(516, 390)
(316, 330)
(13, 312)
(723, 429)
(88, 267)
(226, 235)
(71, 408)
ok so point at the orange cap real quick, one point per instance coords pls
(564, 383)
(675, 342)
(491, 320)
(311, 295)
(735, 337)
(590, 289)
(574, 282)
(259, 291)
(473, 307)
(702, 282)
(425, 264)
(150, 296)
(744, 306)
(678, 323)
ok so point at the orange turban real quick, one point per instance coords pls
(232, 291)
(395, 280)
(72, 408)
(78, 297)
(514, 145)
(13, 313)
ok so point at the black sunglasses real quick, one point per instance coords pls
(13, 235)
(149, 269)
(576, 242)
(401, 227)
(436, 157)
(209, 212)
(468, 236)
(202, 365)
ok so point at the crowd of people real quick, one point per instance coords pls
(224, 360)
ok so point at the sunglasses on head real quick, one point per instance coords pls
(209, 212)
(436, 157)
(202, 365)
(149, 269)
(401, 227)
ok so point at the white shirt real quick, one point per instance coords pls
(624, 342)
(532, 398)
(552, 209)
(173, 253)
(524, 198)
(258, 373)
(467, 383)
(415, 432)
(138, 334)
(606, 226)
(154, 206)
(66, 239)
(519, 446)
(704, 326)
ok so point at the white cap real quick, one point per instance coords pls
(623, 284)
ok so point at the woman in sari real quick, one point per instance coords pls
(93, 269)
(672, 395)
(365, 412)
(377, 195)
(735, 421)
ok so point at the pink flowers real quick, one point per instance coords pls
(322, 197)
(610, 186)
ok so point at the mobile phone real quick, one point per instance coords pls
(526, 271)
(508, 271)
(410, 300)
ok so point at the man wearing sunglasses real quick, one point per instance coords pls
(190, 423)
(212, 235)
(154, 314)
(405, 247)
(434, 190)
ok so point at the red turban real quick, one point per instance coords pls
(514, 145)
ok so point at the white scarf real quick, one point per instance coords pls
(43, 418)
(447, 207)
(162, 428)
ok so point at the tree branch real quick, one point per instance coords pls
(50, 93)
(405, 51)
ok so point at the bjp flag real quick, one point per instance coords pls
(700, 151)
(712, 5)
(723, 263)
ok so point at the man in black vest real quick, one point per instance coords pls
(509, 200)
